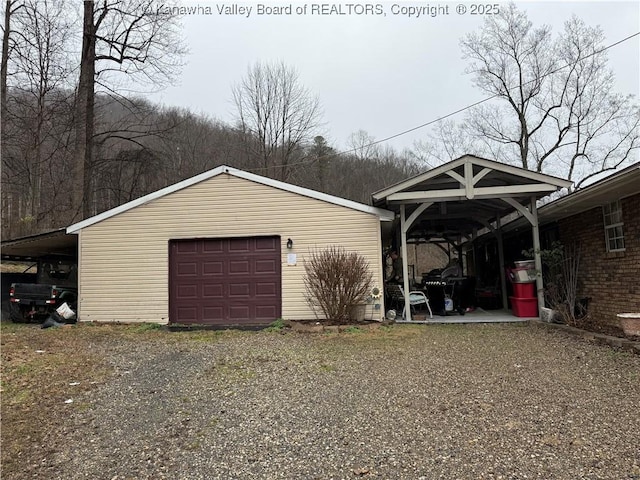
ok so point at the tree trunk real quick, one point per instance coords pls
(5, 60)
(85, 102)
(36, 170)
(7, 197)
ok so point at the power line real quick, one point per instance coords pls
(451, 114)
(497, 95)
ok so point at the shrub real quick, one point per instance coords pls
(336, 281)
(561, 267)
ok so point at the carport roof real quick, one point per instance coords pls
(55, 242)
(223, 169)
(464, 194)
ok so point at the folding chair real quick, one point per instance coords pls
(416, 298)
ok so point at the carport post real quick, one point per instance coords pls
(536, 254)
(503, 279)
(405, 224)
(405, 262)
(531, 214)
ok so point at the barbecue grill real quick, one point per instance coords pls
(447, 283)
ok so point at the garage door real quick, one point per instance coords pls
(225, 281)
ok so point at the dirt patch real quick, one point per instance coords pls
(600, 327)
(312, 326)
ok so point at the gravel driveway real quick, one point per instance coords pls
(430, 402)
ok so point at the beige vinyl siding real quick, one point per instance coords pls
(124, 258)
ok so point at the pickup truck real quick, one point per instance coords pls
(57, 283)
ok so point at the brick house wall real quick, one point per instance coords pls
(610, 279)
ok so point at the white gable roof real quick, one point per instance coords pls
(223, 169)
(546, 182)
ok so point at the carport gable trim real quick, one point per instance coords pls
(379, 212)
(548, 183)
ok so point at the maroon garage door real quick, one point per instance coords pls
(225, 281)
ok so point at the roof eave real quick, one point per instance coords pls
(380, 196)
(384, 215)
(584, 196)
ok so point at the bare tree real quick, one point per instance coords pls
(603, 125)
(556, 109)
(35, 110)
(276, 115)
(44, 68)
(11, 7)
(137, 39)
(363, 146)
(447, 141)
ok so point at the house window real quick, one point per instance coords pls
(613, 224)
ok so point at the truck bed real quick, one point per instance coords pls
(28, 292)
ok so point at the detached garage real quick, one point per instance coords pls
(226, 247)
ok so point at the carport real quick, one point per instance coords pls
(456, 201)
(32, 249)
(53, 243)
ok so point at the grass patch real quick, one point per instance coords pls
(277, 326)
(147, 327)
(324, 367)
(10, 327)
(37, 367)
(353, 329)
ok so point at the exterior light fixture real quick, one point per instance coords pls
(289, 244)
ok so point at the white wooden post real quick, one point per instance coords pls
(405, 224)
(503, 278)
(531, 214)
(536, 254)
(405, 263)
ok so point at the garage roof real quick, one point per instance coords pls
(223, 169)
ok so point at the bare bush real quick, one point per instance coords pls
(562, 285)
(336, 281)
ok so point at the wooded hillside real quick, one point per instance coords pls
(75, 141)
(139, 148)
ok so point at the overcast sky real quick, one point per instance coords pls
(380, 73)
